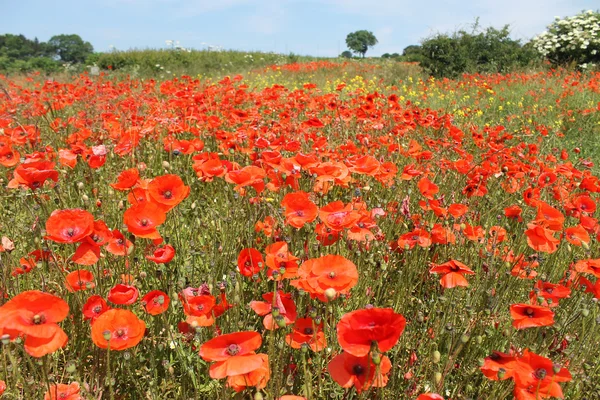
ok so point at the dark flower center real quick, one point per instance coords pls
(233, 349)
(308, 331)
(120, 332)
(358, 369)
(332, 274)
(529, 312)
(97, 309)
(167, 194)
(540, 373)
(144, 222)
(38, 319)
(70, 232)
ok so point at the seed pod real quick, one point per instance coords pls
(436, 357)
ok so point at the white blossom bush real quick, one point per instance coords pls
(573, 39)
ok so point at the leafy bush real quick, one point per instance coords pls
(490, 50)
(572, 40)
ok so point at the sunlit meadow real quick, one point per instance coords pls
(318, 230)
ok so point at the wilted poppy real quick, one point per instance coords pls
(358, 330)
(119, 329)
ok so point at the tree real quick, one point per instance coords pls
(360, 41)
(346, 54)
(70, 48)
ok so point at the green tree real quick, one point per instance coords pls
(70, 48)
(346, 54)
(360, 41)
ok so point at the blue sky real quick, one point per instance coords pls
(313, 27)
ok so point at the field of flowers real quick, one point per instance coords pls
(305, 232)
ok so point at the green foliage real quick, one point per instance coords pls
(360, 41)
(346, 54)
(572, 40)
(487, 51)
(70, 48)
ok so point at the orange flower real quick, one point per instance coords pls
(453, 273)
(80, 280)
(541, 239)
(328, 272)
(119, 329)
(281, 263)
(348, 371)
(69, 226)
(299, 209)
(199, 309)
(430, 396)
(307, 332)
(168, 191)
(427, 188)
(529, 315)
(162, 255)
(358, 330)
(577, 235)
(537, 377)
(33, 174)
(63, 392)
(127, 179)
(233, 354)
(337, 216)
(94, 307)
(35, 315)
(118, 244)
(123, 294)
(279, 306)
(155, 302)
(257, 378)
(143, 218)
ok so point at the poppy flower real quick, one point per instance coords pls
(430, 396)
(257, 378)
(529, 315)
(94, 307)
(325, 235)
(61, 391)
(119, 329)
(276, 306)
(155, 302)
(317, 275)
(100, 235)
(337, 216)
(307, 332)
(299, 209)
(248, 176)
(427, 188)
(35, 315)
(69, 226)
(281, 263)
(143, 218)
(250, 262)
(541, 239)
(123, 294)
(162, 255)
(538, 377)
(549, 217)
(577, 235)
(349, 370)
(499, 366)
(33, 175)
(358, 330)
(513, 212)
(549, 291)
(2, 387)
(86, 254)
(419, 237)
(199, 309)
(126, 179)
(233, 354)
(168, 191)
(80, 280)
(118, 244)
(453, 273)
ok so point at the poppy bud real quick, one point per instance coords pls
(585, 312)
(501, 373)
(376, 357)
(464, 338)
(71, 367)
(437, 377)
(166, 165)
(121, 205)
(478, 339)
(106, 335)
(80, 185)
(304, 347)
(85, 198)
(436, 356)
(481, 362)
(280, 321)
(330, 293)
(312, 313)
(258, 396)
(5, 339)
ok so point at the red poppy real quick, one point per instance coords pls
(541, 239)
(299, 209)
(80, 280)
(63, 392)
(155, 302)
(549, 217)
(247, 176)
(123, 294)
(199, 309)
(234, 354)
(33, 174)
(168, 191)
(86, 254)
(538, 377)
(430, 396)
(427, 188)
(281, 263)
(577, 235)
(142, 220)
(119, 329)
(94, 307)
(453, 273)
(35, 315)
(513, 212)
(257, 378)
(162, 255)
(275, 308)
(118, 244)
(127, 179)
(250, 262)
(328, 272)
(529, 315)
(417, 237)
(358, 330)
(337, 216)
(69, 226)
(349, 370)
(499, 366)
(307, 332)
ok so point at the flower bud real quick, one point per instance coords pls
(436, 357)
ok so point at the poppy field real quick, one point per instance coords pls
(309, 231)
